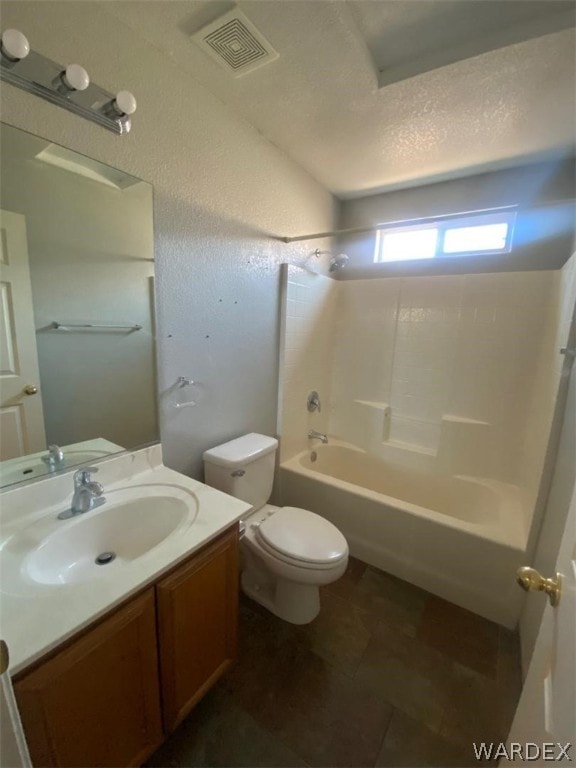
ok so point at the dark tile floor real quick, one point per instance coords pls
(387, 675)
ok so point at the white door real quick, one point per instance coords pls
(21, 414)
(547, 709)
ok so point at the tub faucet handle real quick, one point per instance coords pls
(313, 402)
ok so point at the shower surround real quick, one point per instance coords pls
(425, 383)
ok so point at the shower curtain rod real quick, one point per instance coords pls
(422, 220)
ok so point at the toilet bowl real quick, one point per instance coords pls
(287, 552)
(284, 563)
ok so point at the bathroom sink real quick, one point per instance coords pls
(130, 524)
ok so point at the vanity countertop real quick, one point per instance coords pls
(32, 466)
(37, 617)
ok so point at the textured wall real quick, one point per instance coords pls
(221, 195)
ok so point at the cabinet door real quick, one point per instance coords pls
(97, 702)
(197, 625)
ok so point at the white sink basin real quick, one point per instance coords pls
(132, 522)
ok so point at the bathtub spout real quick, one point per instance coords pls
(313, 435)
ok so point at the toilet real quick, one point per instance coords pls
(287, 552)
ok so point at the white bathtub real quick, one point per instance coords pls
(459, 537)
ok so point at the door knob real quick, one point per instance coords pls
(531, 581)
(31, 389)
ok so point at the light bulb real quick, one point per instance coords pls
(15, 45)
(125, 103)
(75, 78)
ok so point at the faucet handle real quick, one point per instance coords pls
(313, 402)
(56, 452)
(54, 458)
(82, 475)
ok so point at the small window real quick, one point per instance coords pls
(469, 235)
(482, 237)
(409, 244)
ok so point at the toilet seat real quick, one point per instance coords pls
(301, 565)
(302, 538)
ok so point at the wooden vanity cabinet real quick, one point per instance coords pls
(96, 703)
(109, 697)
(197, 626)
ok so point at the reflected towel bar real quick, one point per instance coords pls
(71, 326)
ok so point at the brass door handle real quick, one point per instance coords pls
(531, 581)
(31, 389)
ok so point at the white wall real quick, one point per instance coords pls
(222, 195)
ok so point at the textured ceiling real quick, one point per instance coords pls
(409, 38)
(321, 103)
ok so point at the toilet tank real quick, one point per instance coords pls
(243, 467)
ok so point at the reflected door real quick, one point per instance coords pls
(21, 414)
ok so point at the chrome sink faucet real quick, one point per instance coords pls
(54, 459)
(87, 494)
(313, 435)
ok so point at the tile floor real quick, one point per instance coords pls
(387, 675)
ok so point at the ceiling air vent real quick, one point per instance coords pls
(235, 43)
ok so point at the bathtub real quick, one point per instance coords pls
(459, 537)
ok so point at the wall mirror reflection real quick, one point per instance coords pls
(77, 364)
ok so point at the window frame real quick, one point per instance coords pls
(444, 224)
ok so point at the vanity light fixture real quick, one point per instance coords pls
(14, 46)
(73, 78)
(69, 87)
(124, 104)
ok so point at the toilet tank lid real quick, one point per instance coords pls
(242, 450)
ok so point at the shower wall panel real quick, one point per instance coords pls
(452, 361)
(452, 374)
(307, 330)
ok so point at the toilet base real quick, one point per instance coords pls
(294, 603)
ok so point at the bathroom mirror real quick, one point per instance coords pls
(77, 361)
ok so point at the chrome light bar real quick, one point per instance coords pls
(67, 87)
